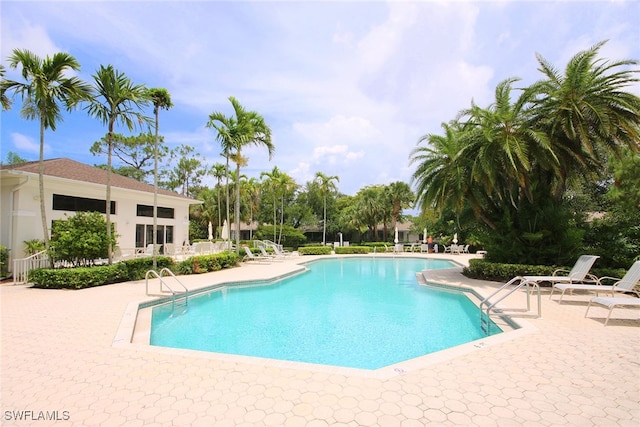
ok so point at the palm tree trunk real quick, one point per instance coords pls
(43, 211)
(155, 194)
(237, 212)
(108, 207)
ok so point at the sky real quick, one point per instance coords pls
(347, 87)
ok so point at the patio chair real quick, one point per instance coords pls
(579, 273)
(274, 257)
(611, 303)
(250, 256)
(626, 284)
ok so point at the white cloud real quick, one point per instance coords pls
(24, 143)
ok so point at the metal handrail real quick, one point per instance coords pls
(491, 306)
(160, 277)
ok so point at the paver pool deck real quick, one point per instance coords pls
(63, 357)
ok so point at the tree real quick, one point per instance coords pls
(327, 186)
(160, 98)
(187, 173)
(46, 87)
(271, 184)
(135, 152)
(587, 114)
(236, 132)
(401, 197)
(117, 100)
(218, 171)
(14, 158)
(4, 99)
(81, 239)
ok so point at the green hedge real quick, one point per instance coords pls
(342, 250)
(207, 263)
(133, 269)
(79, 277)
(315, 250)
(486, 270)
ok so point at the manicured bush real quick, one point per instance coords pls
(137, 268)
(79, 277)
(207, 263)
(315, 250)
(342, 250)
(485, 270)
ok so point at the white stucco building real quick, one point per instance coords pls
(70, 186)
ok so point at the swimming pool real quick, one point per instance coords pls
(362, 313)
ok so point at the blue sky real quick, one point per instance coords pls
(348, 87)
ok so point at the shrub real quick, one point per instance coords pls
(291, 236)
(4, 262)
(207, 263)
(79, 277)
(80, 239)
(353, 250)
(315, 250)
(486, 270)
(137, 268)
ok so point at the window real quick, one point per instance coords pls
(145, 210)
(144, 234)
(81, 204)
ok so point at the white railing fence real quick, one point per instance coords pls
(22, 267)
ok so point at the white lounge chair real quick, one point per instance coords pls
(626, 284)
(579, 273)
(611, 303)
(274, 257)
(250, 256)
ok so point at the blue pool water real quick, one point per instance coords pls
(362, 313)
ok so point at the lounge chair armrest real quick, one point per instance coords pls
(560, 270)
(608, 278)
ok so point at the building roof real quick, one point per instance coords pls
(73, 170)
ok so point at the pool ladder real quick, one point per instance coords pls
(178, 298)
(488, 306)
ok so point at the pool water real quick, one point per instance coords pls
(362, 313)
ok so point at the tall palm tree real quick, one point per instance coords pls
(160, 98)
(45, 88)
(218, 171)
(117, 100)
(327, 185)
(243, 129)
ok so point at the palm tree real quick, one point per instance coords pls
(117, 99)
(327, 185)
(218, 171)
(45, 87)
(271, 183)
(586, 112)
(4, 99)
(252, 191)
(401, 197)
(236, 132)
(160, 98)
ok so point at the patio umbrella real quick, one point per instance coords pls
(396, 236)
(424, 236)
(225, 230)
(455, 239)
(210, 228)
